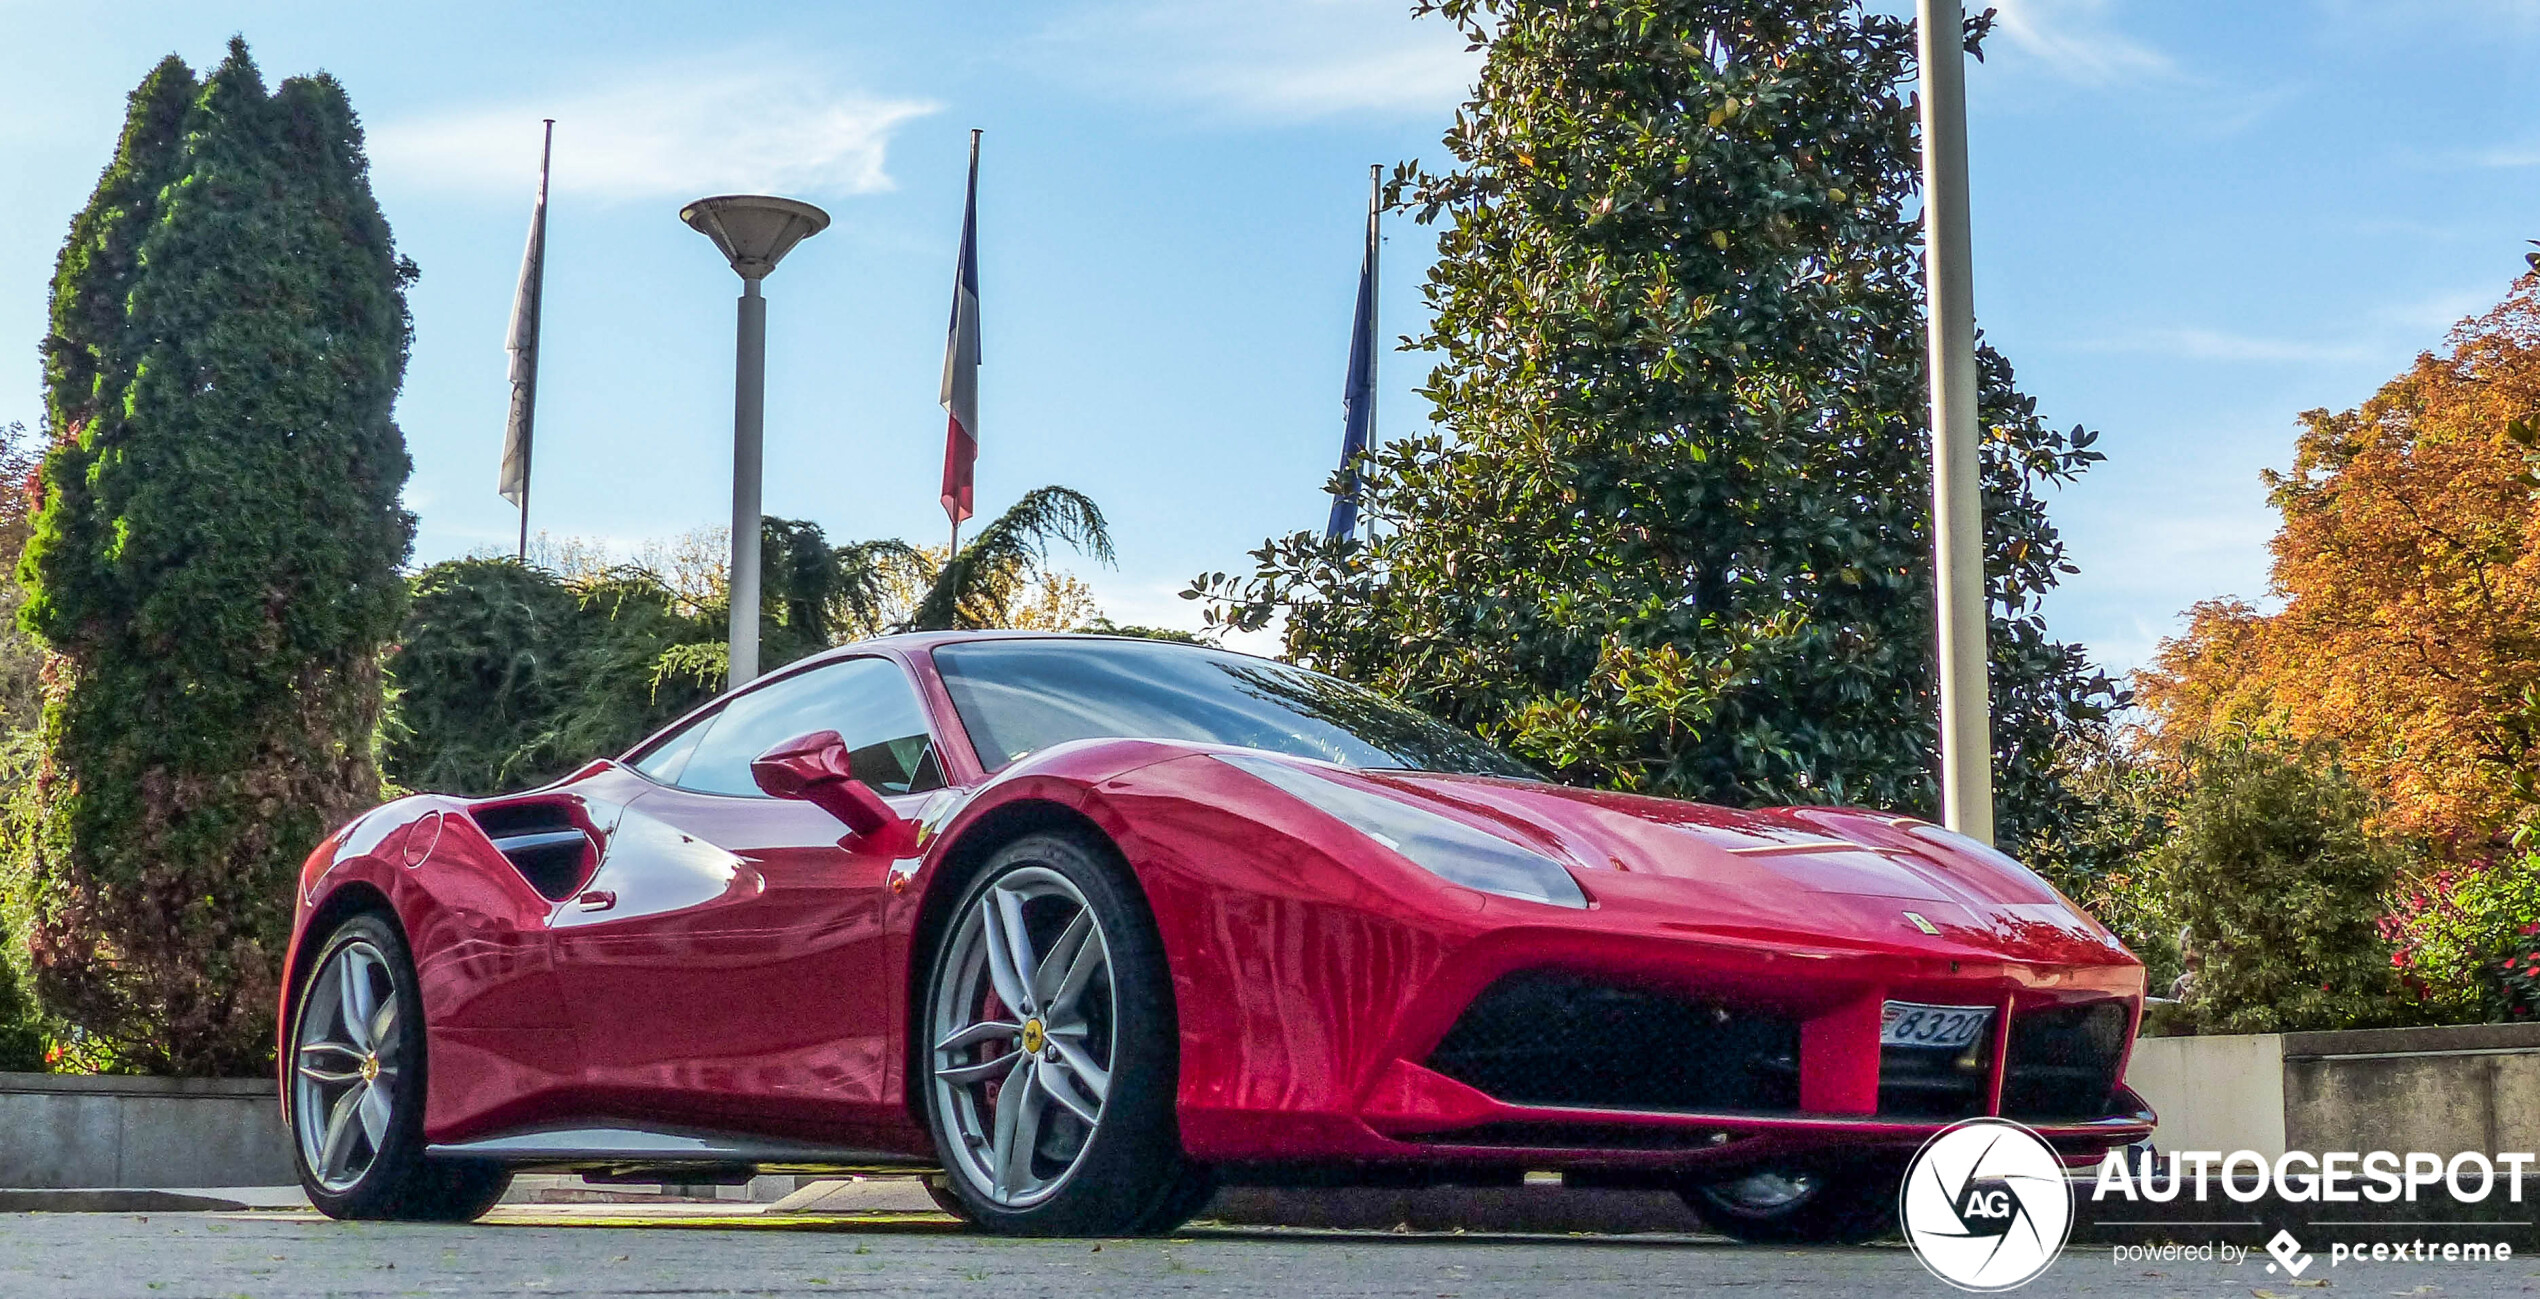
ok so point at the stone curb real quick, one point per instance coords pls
(107, 1200)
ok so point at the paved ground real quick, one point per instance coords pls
(533, 1252)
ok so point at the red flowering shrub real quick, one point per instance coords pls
(2513, 983)
(2459, 933)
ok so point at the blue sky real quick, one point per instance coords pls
(2192, 222)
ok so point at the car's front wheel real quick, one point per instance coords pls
(1049, 1050)
(1833, 1205)
(354, 1087)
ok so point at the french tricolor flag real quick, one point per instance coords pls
(961, 360)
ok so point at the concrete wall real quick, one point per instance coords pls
(2214, 1093)
(2444, 1090)
(2440, 1090)
(62, 1130)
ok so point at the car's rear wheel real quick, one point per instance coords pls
(354, 1088)
(1049, 1053)
(1812, 1205)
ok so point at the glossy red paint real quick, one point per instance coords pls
(738, 965)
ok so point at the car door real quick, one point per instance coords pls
(728, 963)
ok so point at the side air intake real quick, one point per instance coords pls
(542, 843)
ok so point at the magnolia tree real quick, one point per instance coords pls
(215, 559)
(1673, 529)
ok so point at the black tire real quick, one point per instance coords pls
(939, 1189)
(399, 1183)
(1128, 1172)
(1198, 1185)
(1842, 1204)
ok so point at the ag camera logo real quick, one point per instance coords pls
(1985, 1205)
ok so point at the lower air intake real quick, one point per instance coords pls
(2062, 1063)
(1546, 1038)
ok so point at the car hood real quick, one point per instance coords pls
(1786, 870)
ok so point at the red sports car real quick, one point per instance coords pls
(1086, 926)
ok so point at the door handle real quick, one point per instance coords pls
(596, 900)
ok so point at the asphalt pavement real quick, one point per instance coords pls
(532, 1251)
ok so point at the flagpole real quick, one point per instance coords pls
(538, 305)
(959, 394)
(1358, 392)
(1375, 243)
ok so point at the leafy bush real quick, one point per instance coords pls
(215, 558)
(2105, 855)
(508, 675)
(22, 1027)
(2281, 887)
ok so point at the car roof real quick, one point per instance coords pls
(912, 642)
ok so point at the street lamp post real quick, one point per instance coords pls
(1966, 727)
(755, 232)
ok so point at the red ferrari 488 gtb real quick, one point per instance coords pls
(1085, 926)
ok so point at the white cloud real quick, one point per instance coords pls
(2074, 40)
(1303, 59)
(2439, 311)
(2503, 156)
(666, 133)
(2201, 344)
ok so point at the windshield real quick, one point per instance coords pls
(1019, 696)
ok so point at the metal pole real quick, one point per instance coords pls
(1966, 740)
(1375, 348)
(749, 428)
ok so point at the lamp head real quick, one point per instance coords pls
(754, 231)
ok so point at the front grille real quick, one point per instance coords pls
(2062, 1063)
(1928, 1083)
(1546, 1038)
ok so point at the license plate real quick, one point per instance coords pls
(1906, 1023)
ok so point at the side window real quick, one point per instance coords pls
(664, 763)
(868, 702)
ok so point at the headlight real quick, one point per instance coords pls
(1443, 846)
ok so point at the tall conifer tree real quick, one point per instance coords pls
(215, 560)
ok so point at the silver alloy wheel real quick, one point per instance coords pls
(1023, 1033)
(344, 1065)
(1766, 1192)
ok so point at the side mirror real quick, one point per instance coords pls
(814, 769)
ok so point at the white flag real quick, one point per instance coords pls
(523, 344)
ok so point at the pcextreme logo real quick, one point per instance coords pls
(1985, 1205)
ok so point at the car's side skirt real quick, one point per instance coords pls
(623, 1147)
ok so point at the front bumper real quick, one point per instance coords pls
(1775, 1049)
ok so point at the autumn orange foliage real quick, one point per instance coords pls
(2408, 564)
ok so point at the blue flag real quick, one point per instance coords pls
(1358, 396)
